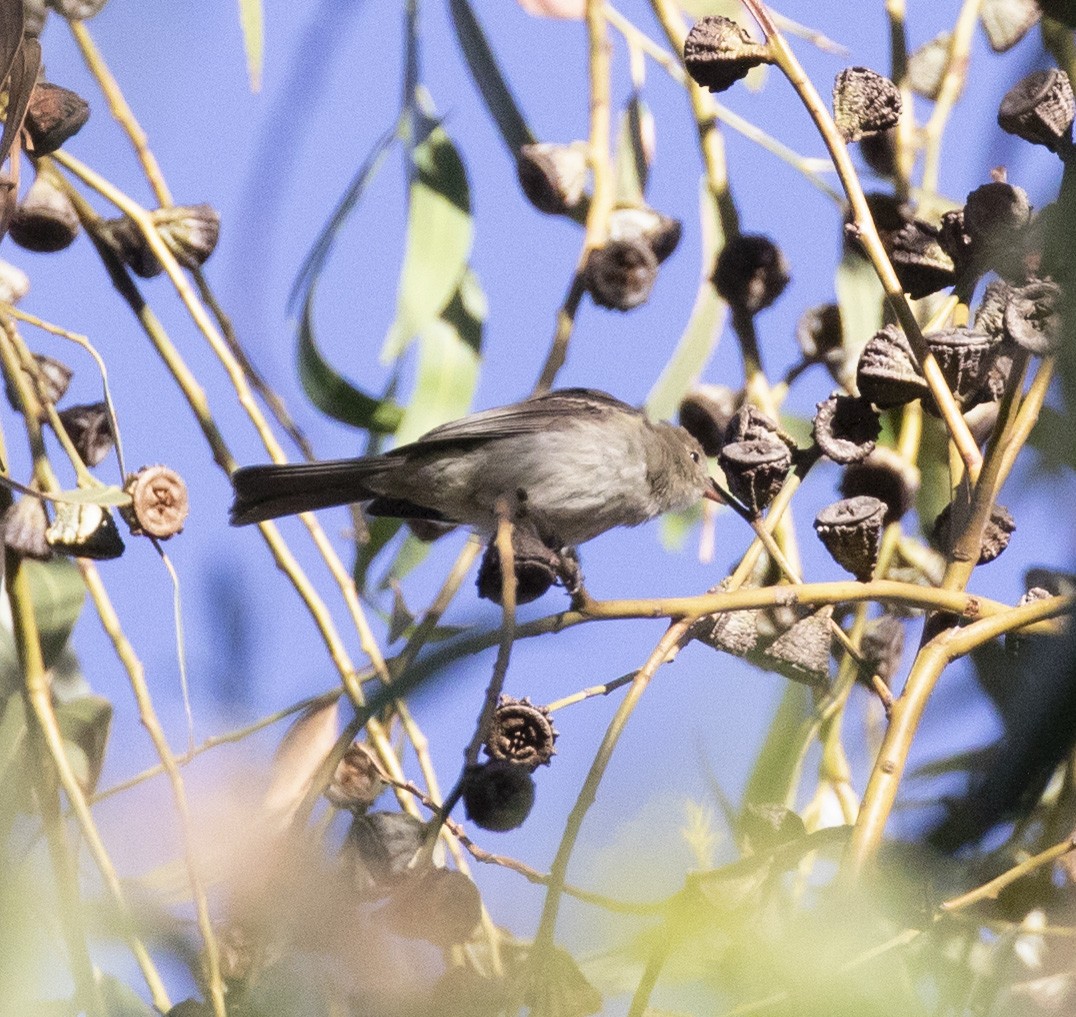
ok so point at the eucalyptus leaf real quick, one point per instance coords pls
(859, 297)
(58, 593)
(105, 495)
(633, 152)
(13, 732)
(439, 234)
(934, 493)
(85, 723)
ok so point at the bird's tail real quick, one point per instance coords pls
(265, 492)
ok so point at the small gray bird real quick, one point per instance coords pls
(570, 464)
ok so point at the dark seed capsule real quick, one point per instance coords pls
(1040, 108)
(705, 414)
(90, 429)
(537, 568)
(846, 428)
(964, 357)
(659, 232)
(498, 795)
(954, 240)
(1014, 642)
(553, 177)
(820, 334)
(718, 53)
(999, 528)
(190, 232)
(864, 102)
(521, 733)
(53, 115)
(995, 217)
(1007, 21)
(755, 470)
(735, 632)
(879, 151)
(990, 317)
(751, 273)
(23, 525)
(802, 651)
(50, 383)
(621, 274)
(1033, 316)
(885, 475)
(159, 502)
(44, 221)
(888, 373)
(851, 530)
(921, 263)
(749, 423)
(84, 531)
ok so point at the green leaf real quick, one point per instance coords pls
(487, 76)
(632, 152)
(704, 326)
(859, 297)
(439, 233)
(934, 493)
(57, 592)
(102, 495)
(251, 17)
(332, 393)
(85, 723)
(12, 739)
(777, 761)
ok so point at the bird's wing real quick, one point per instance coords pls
(531, 416)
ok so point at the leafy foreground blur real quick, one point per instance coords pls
(951, 348)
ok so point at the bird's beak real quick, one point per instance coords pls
(714, 493)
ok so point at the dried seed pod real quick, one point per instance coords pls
(926, 66)
(820, 334)
(53, 115)
(705, 413)
(660, 233)
(45, 220)
(159, 502)
(921, 263)
(954, 240)
(993, 216)
(357, 782)
(885, 475)
(621, 274)
(888, 373)
(882, 646)
(77, 10)
(964, 357)
(802, 651)
(190, 232)
(537, 568)
(879, 152)
(498, 795)
(50, 382)
(718, 53)
(441, 906)
(846, 428)
(889, 213)
(1007, 21)
(751, 273)
(990, 317)
(767, 825)
(89, 427)
(864, 102)
(749, 423)
(384, 844)
(1033, 316)
(84, 531)
(735, 632)
(999, 528)
(14, 283)
(755, 470)
(851, 530)
(553, 177)
(521, 733)
(1040, 108)
(23, 525)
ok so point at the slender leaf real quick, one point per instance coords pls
(633, 151)
(12, 23)
(487, 76)
(439, 234)
(23, 75)
(332, 393)
(85, 723)
(934, 492)
(859, 297)
(252, 18)
(102, 495)
(58, 593)
(12, 736)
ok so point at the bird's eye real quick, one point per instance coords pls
(694, 457)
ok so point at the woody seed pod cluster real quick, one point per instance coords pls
(718, 52)
(53, 115)
(851, 531)
(751, 273)
(846, 428)
(521, 733)
(864, 102)
(498, 795)
(159, 502)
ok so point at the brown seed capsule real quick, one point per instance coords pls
(718, 53)
(498, 795)
(921, 263)
(954, 240)
(882, 646)
(864, 102)
(159, 502)
(89, 427)
(1033, 316)
(53, 115)
(537, 568)
(751, 273)
(1040, 108)
(846, 428)
(705, 414)
(802, 651)
(767, 825)
(990, 317)
(553, 177)
(755, 470)
(994, 216)
(441, 906)
(190, 232)
(49, 381)
(521, 733)
(926, 66)
(44, 221)
(749, 423)
(660, 233)
(357, 782)
(999, 528)
(84, 531)
(384, 844)
(23, 526)
(852, 533)
(621, 274)
(1007, 21)
(964, 357)
(888, 373)
(735, 632)
(885, 475)
(820, 334)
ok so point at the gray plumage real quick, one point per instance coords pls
(572, 463)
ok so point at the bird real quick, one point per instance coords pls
(568, 464)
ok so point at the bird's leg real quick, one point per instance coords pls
(571, 575)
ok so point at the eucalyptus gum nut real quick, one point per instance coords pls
(926, 66)
(23, 526)
(888, 373)
(53, 115)
(705, 413)
(846, 428)
(1033, 316)
(498, 795)
(552, 176)
(522, 733)
(751, 273)
(1040, 108)
(990, 316)
(965, 357)
(537, 568)
(851, 531)
(996, 534)
(44, 221)
(755, 470)
(864, 102)
(885, 475)
(921, 263)
(1006, 22)
(718, 52)
(621, 274)
(882, 646)
(89, 427)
